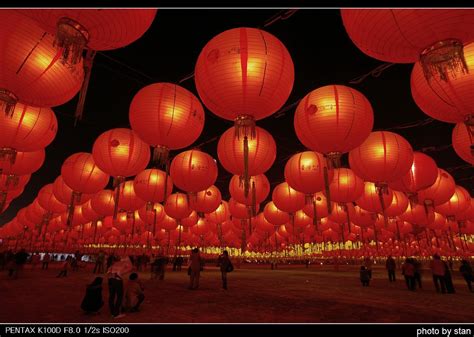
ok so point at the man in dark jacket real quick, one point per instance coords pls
(391, 267)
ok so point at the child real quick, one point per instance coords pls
(92, 301)
(134, 295)
(364, 276)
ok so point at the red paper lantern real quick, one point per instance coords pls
(221, 214)
(201, 227)
(342, 213)
(166, 116)
(417, 215)
(25, 163)
(423, 174)
(150, 185)
(128, 200)
(193, 171)
(383, 157)
(32, 72)
(152, 216)
(241, 211)
(345, 186)
(190, 220)
(96, 29)
(398, 205)
(318, 208)
(48, 201)
(458, 202)
(374, 200)
(259, 183)
(287, 199)
(103, 203)
(63, 193)
(89, 213)
(177, 206)
(448, 100)
(206, 201)
(468, 213)
(244, 72)
(440, 192)
(261, 152)
(261, 223)
(435, 37)
(80, 173)
(77, 218)
(333, 120)
(120, 153)
(463, 141)
(304, 172)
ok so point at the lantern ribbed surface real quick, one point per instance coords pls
(193, 171)
(262, 189)
(149, 185)
(463, 142)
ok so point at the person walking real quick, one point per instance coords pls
(466, 271)
(408, 271)
(448, 279)
(438, 269)
(194, 269)
(364, 276)
(226, 267)
(418, 267)
(391, 267)
(46, 260)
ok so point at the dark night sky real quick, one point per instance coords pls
(322, 53)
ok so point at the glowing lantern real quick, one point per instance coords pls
(440, 192)
(274, 215)
(423, 174)
(287, 199)
(81, 174)
(345, 186)
(26, 129)
(458, 203)
(166, 116)
(333, 120)
(468, 213)
(177, 206)
(63, 193)
(88, 212)
(318, 208)
(32, 72)
(193, 171)
(373, 201)
(201, 227)
(244, 74)
(48, 201)
(153, 185)
(128, 200)
(398, 205)
(206, 201)
(103, 203)
(25, 163)
(153, 215)
(190, 220)
(259, 185)
(435, 37)
(417, 215)
(241, 211)
(304, 172)
(261, 223)
(221, 214)
(254, 157)
(463, 141)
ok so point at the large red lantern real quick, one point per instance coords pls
(153, 185)
(127, 198)
(63, 193)
(423, 174)
(417, 215)
(166, 116)
(32, 72)
(221, 214)
(242, 211)
(374, 200)
(318, 208)
(458, 203)
(305, 171)
(244, 73)
(103, 203)
(48, 201)
(463, 141)
(398, 205)
(287, 199)
(259, 185)
(440, 192)
(435, 37)
(193, 171)
(177, 206)
(345, 186)
(333, 120)
(383, 157)
(206, 201)
(25, 163)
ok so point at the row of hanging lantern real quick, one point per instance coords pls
(245, 75)
(43, 67)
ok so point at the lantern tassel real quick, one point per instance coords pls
(246, 167)
(381, 189)
(75, 198)
(444, 58)
(72, 37)
(88, 61)
(167, 172)
(7, 154)
(8, 102)
(326, 186)
(254, 199)
(315, 214)
(116, 185)
(160, 156)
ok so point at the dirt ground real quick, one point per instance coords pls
(289, 294)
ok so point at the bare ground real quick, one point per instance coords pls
(289, 294)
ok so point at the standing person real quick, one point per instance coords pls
(20, 259)
(226, 267)
(194, 270)
(466, 271)
(99, 263)
(368, 264)
(179, 263)
(418, 267)
(134, 295)
(93, 301)
(364, 276)
(408, 271)
(391, 267)
(438, 269)
(64, 267)
(448, 279)
(46, 259)
(115, 276)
